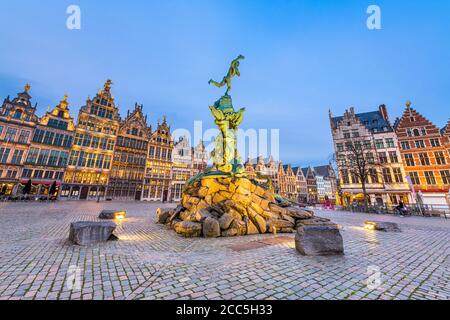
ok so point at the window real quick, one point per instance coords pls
(4, 153)
(393, 157)
(59, 176)
(429, 176)
(73, 158)
(82, 159)
(10, 135)
(43, 157)
(24, 135)
(78, 139)
(38, 136)
(390, 143)
(38, 174)
(52, 161)
(405, 145)
(398, 177)
(355, 178)
(344, 176)
(409, 132)
(367, 145)
(87, 141)
(420, 144)
(414, 178)
(383, 158)
(1, 131)
(355, 134)
(48, 175)
(346, 135)
(409, 159)
(17, 157)
(373, 175)
(95, 141)
(440, 158)
(387, 175)
(62, 161)
(58, 139)
(58, 124)
(379, 144)
(11, 174)
(18, 114)
(424, 160)
(26, 173)
(435, 143)
(445, 174)
(32, 156)
(48, 138)
(423, 131)
(370, 158)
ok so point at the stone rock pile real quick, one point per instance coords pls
(227, 207)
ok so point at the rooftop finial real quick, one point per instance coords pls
(408, 104)
(27, 87)
(64, 103)
(108, 84)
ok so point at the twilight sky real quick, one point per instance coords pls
(302, 58)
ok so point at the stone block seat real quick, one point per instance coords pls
(85, 233)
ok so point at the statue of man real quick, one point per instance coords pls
(233, 71)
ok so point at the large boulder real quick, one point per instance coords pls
(211, 228)
(382, 226)
(163, 215)
(112, 214)
(225, 221)
(86, 233)
(316, 221)
(298, 213)
(317, 240)
(188, 229)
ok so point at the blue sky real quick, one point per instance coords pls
(302, 58)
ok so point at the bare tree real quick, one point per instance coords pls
(360, 161)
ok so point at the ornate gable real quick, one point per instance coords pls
(20, 108)
(414, 124)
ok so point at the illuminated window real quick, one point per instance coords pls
(424, 159)
(440, 158)
(429, 176)
(409, 159)
(414, 178)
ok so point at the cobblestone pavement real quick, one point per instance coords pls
(152, 262)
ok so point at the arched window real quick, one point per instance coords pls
(18, 114)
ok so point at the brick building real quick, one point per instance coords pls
(425, 153)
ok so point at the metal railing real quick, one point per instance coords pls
(414, 210)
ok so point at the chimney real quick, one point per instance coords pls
(384, 113)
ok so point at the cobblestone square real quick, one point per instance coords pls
(151, 262)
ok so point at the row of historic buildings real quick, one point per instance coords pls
(407, 160)
(100, 156)
(310, 185)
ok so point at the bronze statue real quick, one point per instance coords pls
(225, 154)
(233, 71)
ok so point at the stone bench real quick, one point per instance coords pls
(319, 240)
(86, 233)
(112, 215)
(381, 226)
